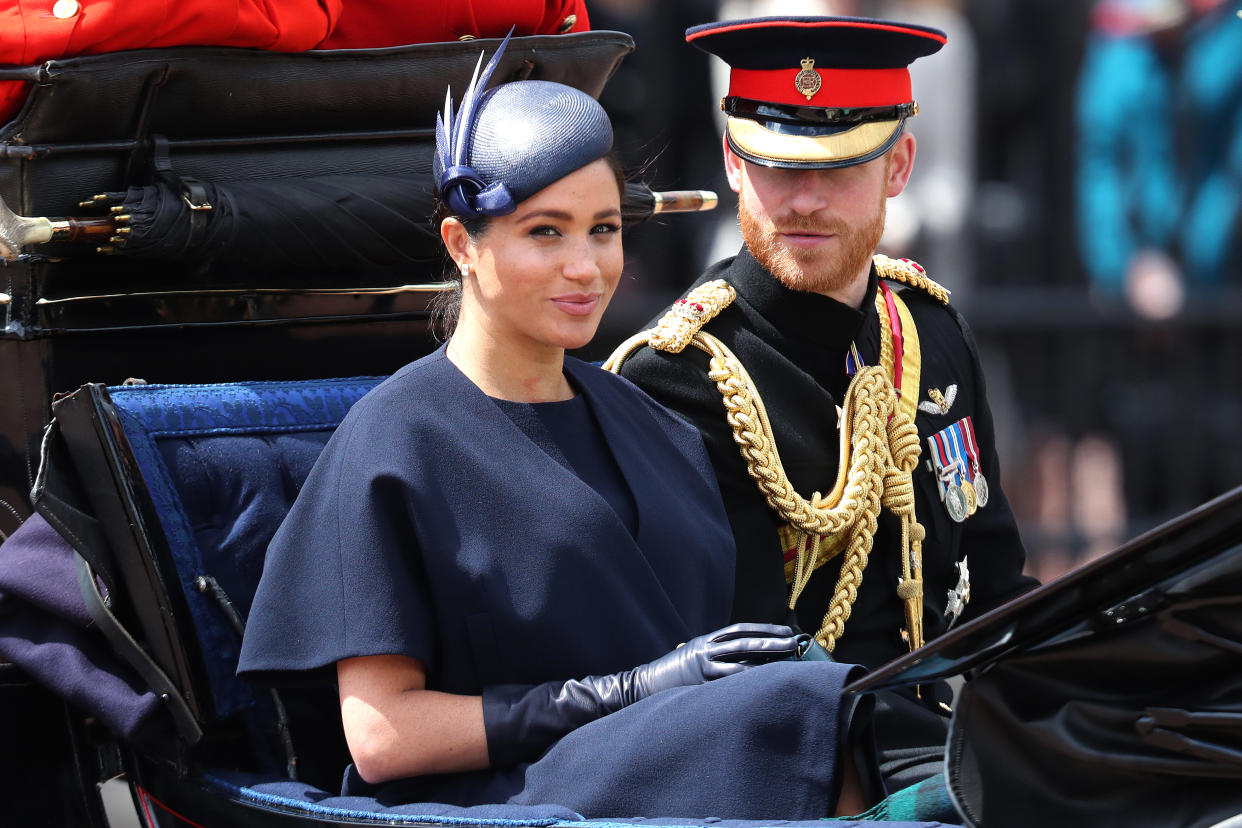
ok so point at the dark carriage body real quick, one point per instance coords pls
(71, 315)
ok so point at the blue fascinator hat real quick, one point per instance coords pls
(506, 144)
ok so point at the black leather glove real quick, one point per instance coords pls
(521, 721)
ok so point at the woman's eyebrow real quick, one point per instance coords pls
(547, 212)
(563, 215)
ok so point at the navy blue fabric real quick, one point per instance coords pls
(432, 527)
(756, 745)
(46, 630)
(567, 431)
(516, 144)
(221, 500)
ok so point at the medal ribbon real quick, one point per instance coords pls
(946, 450)
(972, 447)
(961, 450)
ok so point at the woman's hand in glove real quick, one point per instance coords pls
(715, 655)
(521, 721)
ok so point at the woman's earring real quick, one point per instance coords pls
(465, 270)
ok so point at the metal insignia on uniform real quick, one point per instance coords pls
(959, 596)
(940, 402)
(808, 81)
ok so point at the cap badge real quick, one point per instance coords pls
(808, 81)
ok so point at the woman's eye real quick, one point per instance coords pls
(606, 227)
(544, 230)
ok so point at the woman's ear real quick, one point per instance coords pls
(457, 241)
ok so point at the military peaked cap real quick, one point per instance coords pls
(816, 92)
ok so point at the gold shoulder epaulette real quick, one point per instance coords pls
(910, 273)
(689, 314)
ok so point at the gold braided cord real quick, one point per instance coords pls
(882, 447)
(910, 273)
(879, 449)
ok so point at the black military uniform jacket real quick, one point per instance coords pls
(794, 345)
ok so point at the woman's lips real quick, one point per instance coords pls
(577, 304)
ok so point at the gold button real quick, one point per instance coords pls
(65, 9)
(567, 24)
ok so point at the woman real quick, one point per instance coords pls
(497, 534)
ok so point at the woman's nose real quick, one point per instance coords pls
(581, 262)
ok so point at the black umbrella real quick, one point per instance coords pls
(328, 221)
(321, 222)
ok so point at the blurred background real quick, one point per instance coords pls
(1077, 186)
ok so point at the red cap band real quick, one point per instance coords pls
(839, 88)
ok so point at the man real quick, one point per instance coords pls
(887, 547)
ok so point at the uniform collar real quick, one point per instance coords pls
(816, 321)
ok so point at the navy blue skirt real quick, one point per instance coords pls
(761, 744)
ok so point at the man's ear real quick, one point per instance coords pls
(733, 167)
(457, 241)
(901, 163)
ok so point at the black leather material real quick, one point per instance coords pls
(1130, 719)
(1108, 697)
(216, 92)
(522, 721)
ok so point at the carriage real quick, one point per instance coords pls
(244, 262)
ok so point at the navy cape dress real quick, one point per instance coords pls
(433, 527)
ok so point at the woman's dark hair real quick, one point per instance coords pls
(446, 306)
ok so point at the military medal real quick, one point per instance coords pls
(955, 503)
(955, 461)
(981, 489)
(808, 80)
(972, 450)
(972, 499)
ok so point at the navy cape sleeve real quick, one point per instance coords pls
(342, 577)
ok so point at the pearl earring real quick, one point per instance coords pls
(465, 270)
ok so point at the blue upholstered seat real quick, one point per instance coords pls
(223, 464)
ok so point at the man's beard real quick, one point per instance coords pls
(826, 270)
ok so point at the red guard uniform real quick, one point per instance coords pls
(374, 23)
(32, 31)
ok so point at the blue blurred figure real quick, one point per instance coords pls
(1210, 115)
(1160, 146)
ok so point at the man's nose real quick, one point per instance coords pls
(807, 193)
